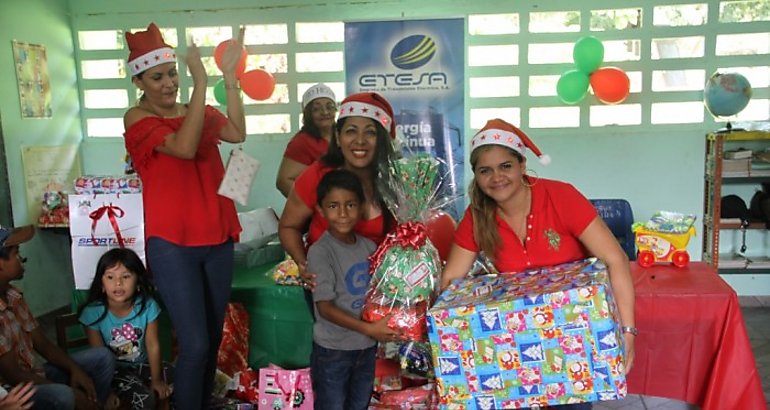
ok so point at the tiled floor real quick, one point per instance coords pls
(757, 324)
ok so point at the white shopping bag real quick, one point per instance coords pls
(100, 222)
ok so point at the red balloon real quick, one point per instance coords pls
(220, 51)
(610, 84)
(441, 231)
(258, 84)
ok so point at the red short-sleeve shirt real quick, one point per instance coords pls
(559, 215)
(181, 204)
(305, 148)
(305, 187)
(16, 323)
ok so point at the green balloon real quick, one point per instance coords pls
(220, 93)
(588, 54)
(572, 86)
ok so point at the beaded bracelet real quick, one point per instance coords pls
(235, 86)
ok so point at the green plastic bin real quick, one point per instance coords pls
(281, 327)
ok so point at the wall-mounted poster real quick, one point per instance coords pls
(33, 82)
(48, 168)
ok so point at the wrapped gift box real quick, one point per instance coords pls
(543, 336)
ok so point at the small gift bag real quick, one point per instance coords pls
(285, 389)
(239, 175)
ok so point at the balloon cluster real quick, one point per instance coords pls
(257, 84)
(610, 84)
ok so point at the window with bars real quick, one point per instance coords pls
(514, 60)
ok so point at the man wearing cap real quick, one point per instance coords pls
(65, 382)
(319, 107)
(522, 222)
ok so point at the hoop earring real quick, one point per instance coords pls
(526, 174)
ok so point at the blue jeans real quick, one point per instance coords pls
(342, 379)
(97, 362)
(194, 283)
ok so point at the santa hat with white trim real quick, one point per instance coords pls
(369, 105)
(147, 49)
(499, 132)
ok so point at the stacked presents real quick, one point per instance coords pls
(540, 337)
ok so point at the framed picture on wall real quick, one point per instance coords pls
(32, 78)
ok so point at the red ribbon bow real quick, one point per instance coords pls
(407, 235)
(112, 212)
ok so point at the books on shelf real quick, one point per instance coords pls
(738, 261)
(733, 260)
(736, 165)
(740, 153)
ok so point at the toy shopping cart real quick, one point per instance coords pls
(664, 239)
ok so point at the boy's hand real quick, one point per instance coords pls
(80, 380)
(162, 389)
(308, 278)
(379, 331)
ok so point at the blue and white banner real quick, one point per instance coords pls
(418, 66)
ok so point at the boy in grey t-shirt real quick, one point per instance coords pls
(342, 361)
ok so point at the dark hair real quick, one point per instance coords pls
(340, 179)
(384, 154)
(308, 126)
(128, 258)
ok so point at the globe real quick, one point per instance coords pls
(726, 94)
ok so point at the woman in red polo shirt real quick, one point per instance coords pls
(319, 106)
(365, 130)
(189, 228)
(523, 222)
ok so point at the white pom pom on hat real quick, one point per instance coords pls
(500, 132)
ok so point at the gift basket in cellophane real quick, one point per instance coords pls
(406, 266)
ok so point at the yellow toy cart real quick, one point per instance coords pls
(655, 246)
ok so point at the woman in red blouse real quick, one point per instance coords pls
(522, 222)
(319, 107)
(189, 229)
(365, 130)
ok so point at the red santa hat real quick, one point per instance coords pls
(147, 49)
(369, 105)
(499, 132)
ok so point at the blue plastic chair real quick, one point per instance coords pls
(618, 216)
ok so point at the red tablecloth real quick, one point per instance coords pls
(692, 344)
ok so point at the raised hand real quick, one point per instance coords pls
(232, 55)
(194, 64)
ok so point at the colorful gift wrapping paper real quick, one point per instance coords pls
(107, 184)
(544, 336)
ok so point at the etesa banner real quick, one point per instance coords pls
(418, 66)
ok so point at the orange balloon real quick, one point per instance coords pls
(258, 84)
(441, 231)
(610, 84)
(220, 51)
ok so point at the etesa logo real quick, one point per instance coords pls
(413, 52)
